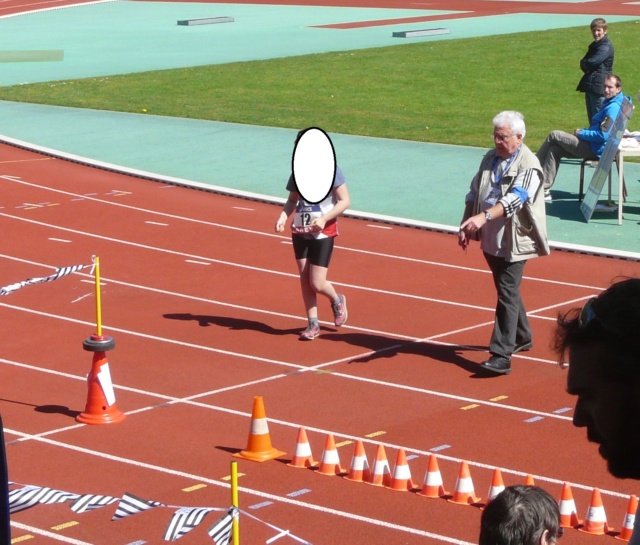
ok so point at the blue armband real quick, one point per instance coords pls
(521, 193)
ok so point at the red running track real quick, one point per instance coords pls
(202, 299)
(471, 8)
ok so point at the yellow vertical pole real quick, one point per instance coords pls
(96, 263)
(234, 502)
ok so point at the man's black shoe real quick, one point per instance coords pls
(523, 347)
(497, 364)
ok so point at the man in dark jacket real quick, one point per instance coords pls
(597, 64)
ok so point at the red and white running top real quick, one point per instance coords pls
(306, 212)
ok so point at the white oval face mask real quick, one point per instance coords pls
(314, 165)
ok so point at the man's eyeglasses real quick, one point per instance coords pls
(502, 137)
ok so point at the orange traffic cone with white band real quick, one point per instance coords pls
(497, 485)
(596, 519)
(101, 399)
(568, 512)
(401, 478)
(302, 456)
(330, 461)
(464, 493)
(433, 486)
(629, 519)
(381, 474)
(529, 481)
(359, 470)
(259, 447)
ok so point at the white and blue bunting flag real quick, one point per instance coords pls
(184, 520)
(220, 532)
(22, 498)
(132, 505)
(89, 502)
(60, 272)
(26, 497)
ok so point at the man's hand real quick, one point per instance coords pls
(473, 225)
(463, 241)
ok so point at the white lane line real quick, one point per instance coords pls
(46, 533)
(266, 495)
(273, 235)
(238, 265)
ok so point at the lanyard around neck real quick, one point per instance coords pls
(497, 176)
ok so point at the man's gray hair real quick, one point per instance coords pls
(513, 120)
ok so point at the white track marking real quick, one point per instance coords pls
(261, 233)
(240, 265)
(244, 490)
(47, 533)
(191, 400)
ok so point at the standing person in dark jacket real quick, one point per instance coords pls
(597, 64)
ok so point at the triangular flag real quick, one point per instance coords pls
(184, 520)
(26, 497)
(60, 272)
(23, 498)
(220, 532)
(89, 502)
(132, 505)
(50, 496)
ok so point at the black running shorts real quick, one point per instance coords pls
(316, 250)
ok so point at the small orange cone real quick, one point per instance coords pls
(568, 512)
(359, 470)
(464, 493)
(596, 519)
(528, 481)
(259, 447)
(381, 474)
(497, 485)
(101, 399)
(433, 486)
(302, 457)
(330, 462)
(629, 519)
(401, 478)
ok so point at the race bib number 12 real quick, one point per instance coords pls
(303, 217)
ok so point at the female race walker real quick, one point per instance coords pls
(314, 229)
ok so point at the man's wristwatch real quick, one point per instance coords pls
(488, 216)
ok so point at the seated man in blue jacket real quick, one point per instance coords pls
(583, 143)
